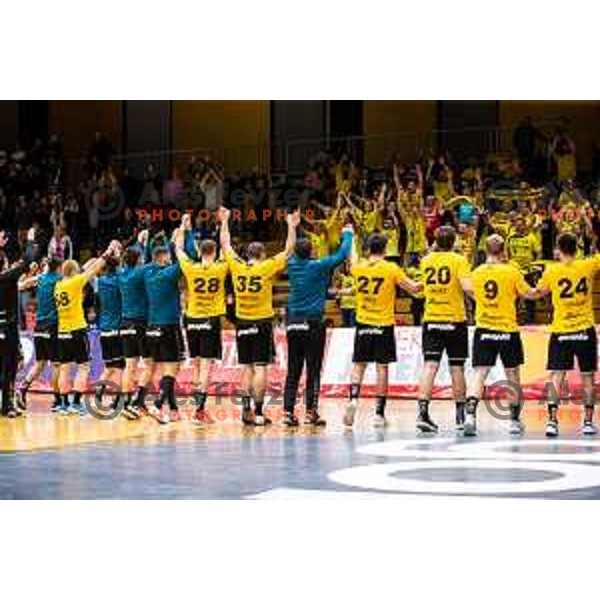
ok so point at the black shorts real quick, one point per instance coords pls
(45, 342)
(204, 337)
(133, 338)
(564, 347)
(112, 349)
(255, 345)
(165, 343)
(374, 343)
(453, 338)
(489, 344)
(10, 352)
(73, 347)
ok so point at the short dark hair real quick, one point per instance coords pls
(445, 237)
(303, 248)
(376, 243)
(111, 264)
(255, 250)
(131, 257)
(567, 244)
(158, 251)
(54, 264)
(208, 247)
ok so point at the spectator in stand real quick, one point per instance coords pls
(60, 246)
(562, 148)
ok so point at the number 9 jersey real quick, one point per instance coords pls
(571, 287)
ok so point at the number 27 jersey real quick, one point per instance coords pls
(571, 287)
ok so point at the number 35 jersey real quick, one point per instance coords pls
(375, 283)
(253, 285)
(205, 288)
(444, 297)
(571, 287)
(496, 287)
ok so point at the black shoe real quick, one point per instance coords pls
(10, 411)
(313, 418)
(21, 400)
(425, 424)
(290, 420)
(247, 414)
(460, 415)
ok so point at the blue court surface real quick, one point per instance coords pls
(46, 457)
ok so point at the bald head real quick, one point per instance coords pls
(494, 246)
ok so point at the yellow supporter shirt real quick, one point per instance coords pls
(522, 248)
(496, 288)
(571, 287)
(348, 300)
(68, 295)
(444, 297)
(375, 284)
(205, 288)
(253, 285)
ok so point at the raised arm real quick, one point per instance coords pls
(292, 223)
(93, 267)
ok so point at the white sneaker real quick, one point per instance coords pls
(470, 429)
(379, 421)
(516, 427)
(589, 428)
(349, 413)
(160, 414)
(552, 428)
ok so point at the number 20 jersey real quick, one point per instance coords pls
(205, 288)
(375, 283)
(571, 287)
(496, 287)
(444, 298)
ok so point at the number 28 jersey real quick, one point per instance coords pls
(571, 287)
(496, 287)
(205, 288)
(444, 297)
(253, 285)
(375, 284)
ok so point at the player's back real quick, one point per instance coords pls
(68, 294)
(570, 284)
(253, 286)
(45, 312)
(133, 293)
(205, 288)
(109, 300)
(162, 293)
(375, 284)
(496, 288)
(442, 289)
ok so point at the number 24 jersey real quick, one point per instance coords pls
(571, 287)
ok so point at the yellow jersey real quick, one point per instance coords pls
(68, 295)
(496, 288)
(253, 285)
(205, 288)
(571, 287)
(522, 248)
(442, 289)
(348, 300)
(375, 283)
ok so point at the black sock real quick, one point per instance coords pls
(65, 400)
(589, 413)
(258, 408)
(460, 411)
(515, 411)
(380, 406)
(57, 398)
(354, 391)
(472, 403)
(423, 408)
(200, 399)
(98, 394)
(552, 411)
(140, 395)
(167, 385)
(128, 399)
(76, 398)
(117, 400)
